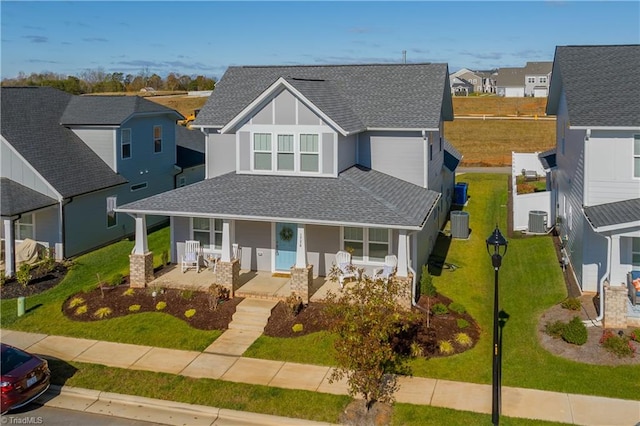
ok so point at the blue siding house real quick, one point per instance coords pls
(67, 162)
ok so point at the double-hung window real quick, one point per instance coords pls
(262, 151)
(531, 79)
(112, 219)
(208, 232)
(636, 156)
(366, 244)
(309, 154)
(286, 156)
(25, 227)
(157, 139)
(125, 143)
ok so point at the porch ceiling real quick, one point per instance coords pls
(359, 196)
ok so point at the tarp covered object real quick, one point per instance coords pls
(28, 251)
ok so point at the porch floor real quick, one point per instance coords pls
(253, 284)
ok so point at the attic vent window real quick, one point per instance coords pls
(138, 186)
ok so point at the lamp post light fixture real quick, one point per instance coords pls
(497, 248)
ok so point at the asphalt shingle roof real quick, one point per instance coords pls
(30, 122)
(109, 110)
(16, 199)
(452, 156)
(374, 96)
(510, 77)
(601, 85)
(190, 147)
(357, 196)
(618, 213)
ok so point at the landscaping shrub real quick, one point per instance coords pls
(571, 303)
(217, 294)
(426, 283)
(635, 335)
(463, 339)
(161, 305)
(134, 308)
(76, 301)
(129, 292)
(575, 332)
(186, 294)
(462, 323)
(297, 328)
(81, 310)
(440, 309)
(189, 313)
(445, 347)
(23, 274)
(555, 329)
(102, 312)
(620, 345)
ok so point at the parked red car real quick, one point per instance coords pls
(24, 377)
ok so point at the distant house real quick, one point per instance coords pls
(510, 82)
(67, 161)
(537, 76)
(190, 158)
(465, 81)
(306, 161)
(595, 170)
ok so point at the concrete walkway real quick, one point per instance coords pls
(516, 402)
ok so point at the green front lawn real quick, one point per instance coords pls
(530, 282)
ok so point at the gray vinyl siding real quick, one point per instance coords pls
(595, 249)
(14, 168)
(181, 232)
(328, 144)
(285, 108)
(264, 115)
(425, 241)
(609, 166)
(47, 225)
(244, 151)
(255, 240)
(347, 147)
(103, 142)
(221, 154)
(394, 153)
(323, 242)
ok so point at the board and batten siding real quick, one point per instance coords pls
(398, 154)
(102, 141)
(16, 169)
(347, 151)
(254, 239)
(609, 166)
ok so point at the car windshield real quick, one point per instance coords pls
(12, 358)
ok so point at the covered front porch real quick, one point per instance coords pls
(256, 284)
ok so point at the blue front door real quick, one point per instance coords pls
(286, 237)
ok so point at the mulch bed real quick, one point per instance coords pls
(178, 302)
(41, 281)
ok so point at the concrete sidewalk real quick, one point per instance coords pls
(516, 402)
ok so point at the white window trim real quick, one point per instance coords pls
(122, 143)
(155, 139)
(18, 224)
(297, 161)
(212, 234)
(634, 266)
(365, 245)
(254, 152)
(111, 204)
(635, 156)
(292, 152)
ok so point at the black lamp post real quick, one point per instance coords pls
(496, 247)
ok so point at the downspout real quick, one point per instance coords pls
(63, 239)
(605, 275)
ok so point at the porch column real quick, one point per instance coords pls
(617, 276)
(403, 253)
(615, 306)
(226, 241)
(301, 247)
(140, 259)
(9, 248)
(141, 246)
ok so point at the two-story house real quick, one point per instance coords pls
(465, 81)
(67, 161)
(305, 161)
(596, 178)
(537, 76)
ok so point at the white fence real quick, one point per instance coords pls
(525, 163)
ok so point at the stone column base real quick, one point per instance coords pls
(228, 275)
(405, 283)
(615, 306)
(301, 282)
(140, 269)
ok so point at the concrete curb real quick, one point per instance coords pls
(156, 410)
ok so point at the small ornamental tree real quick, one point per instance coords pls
(366, 316)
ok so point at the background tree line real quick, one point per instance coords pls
(99, 81)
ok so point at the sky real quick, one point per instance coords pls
(206, 37)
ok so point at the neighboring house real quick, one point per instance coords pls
(537, 76)
(67, 161)
(510, 82)
(480, 81)
(596, 179)
(304, 161)
(190, 159)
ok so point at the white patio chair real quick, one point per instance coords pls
(389, 268)
(347, 270)
(191, 257)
